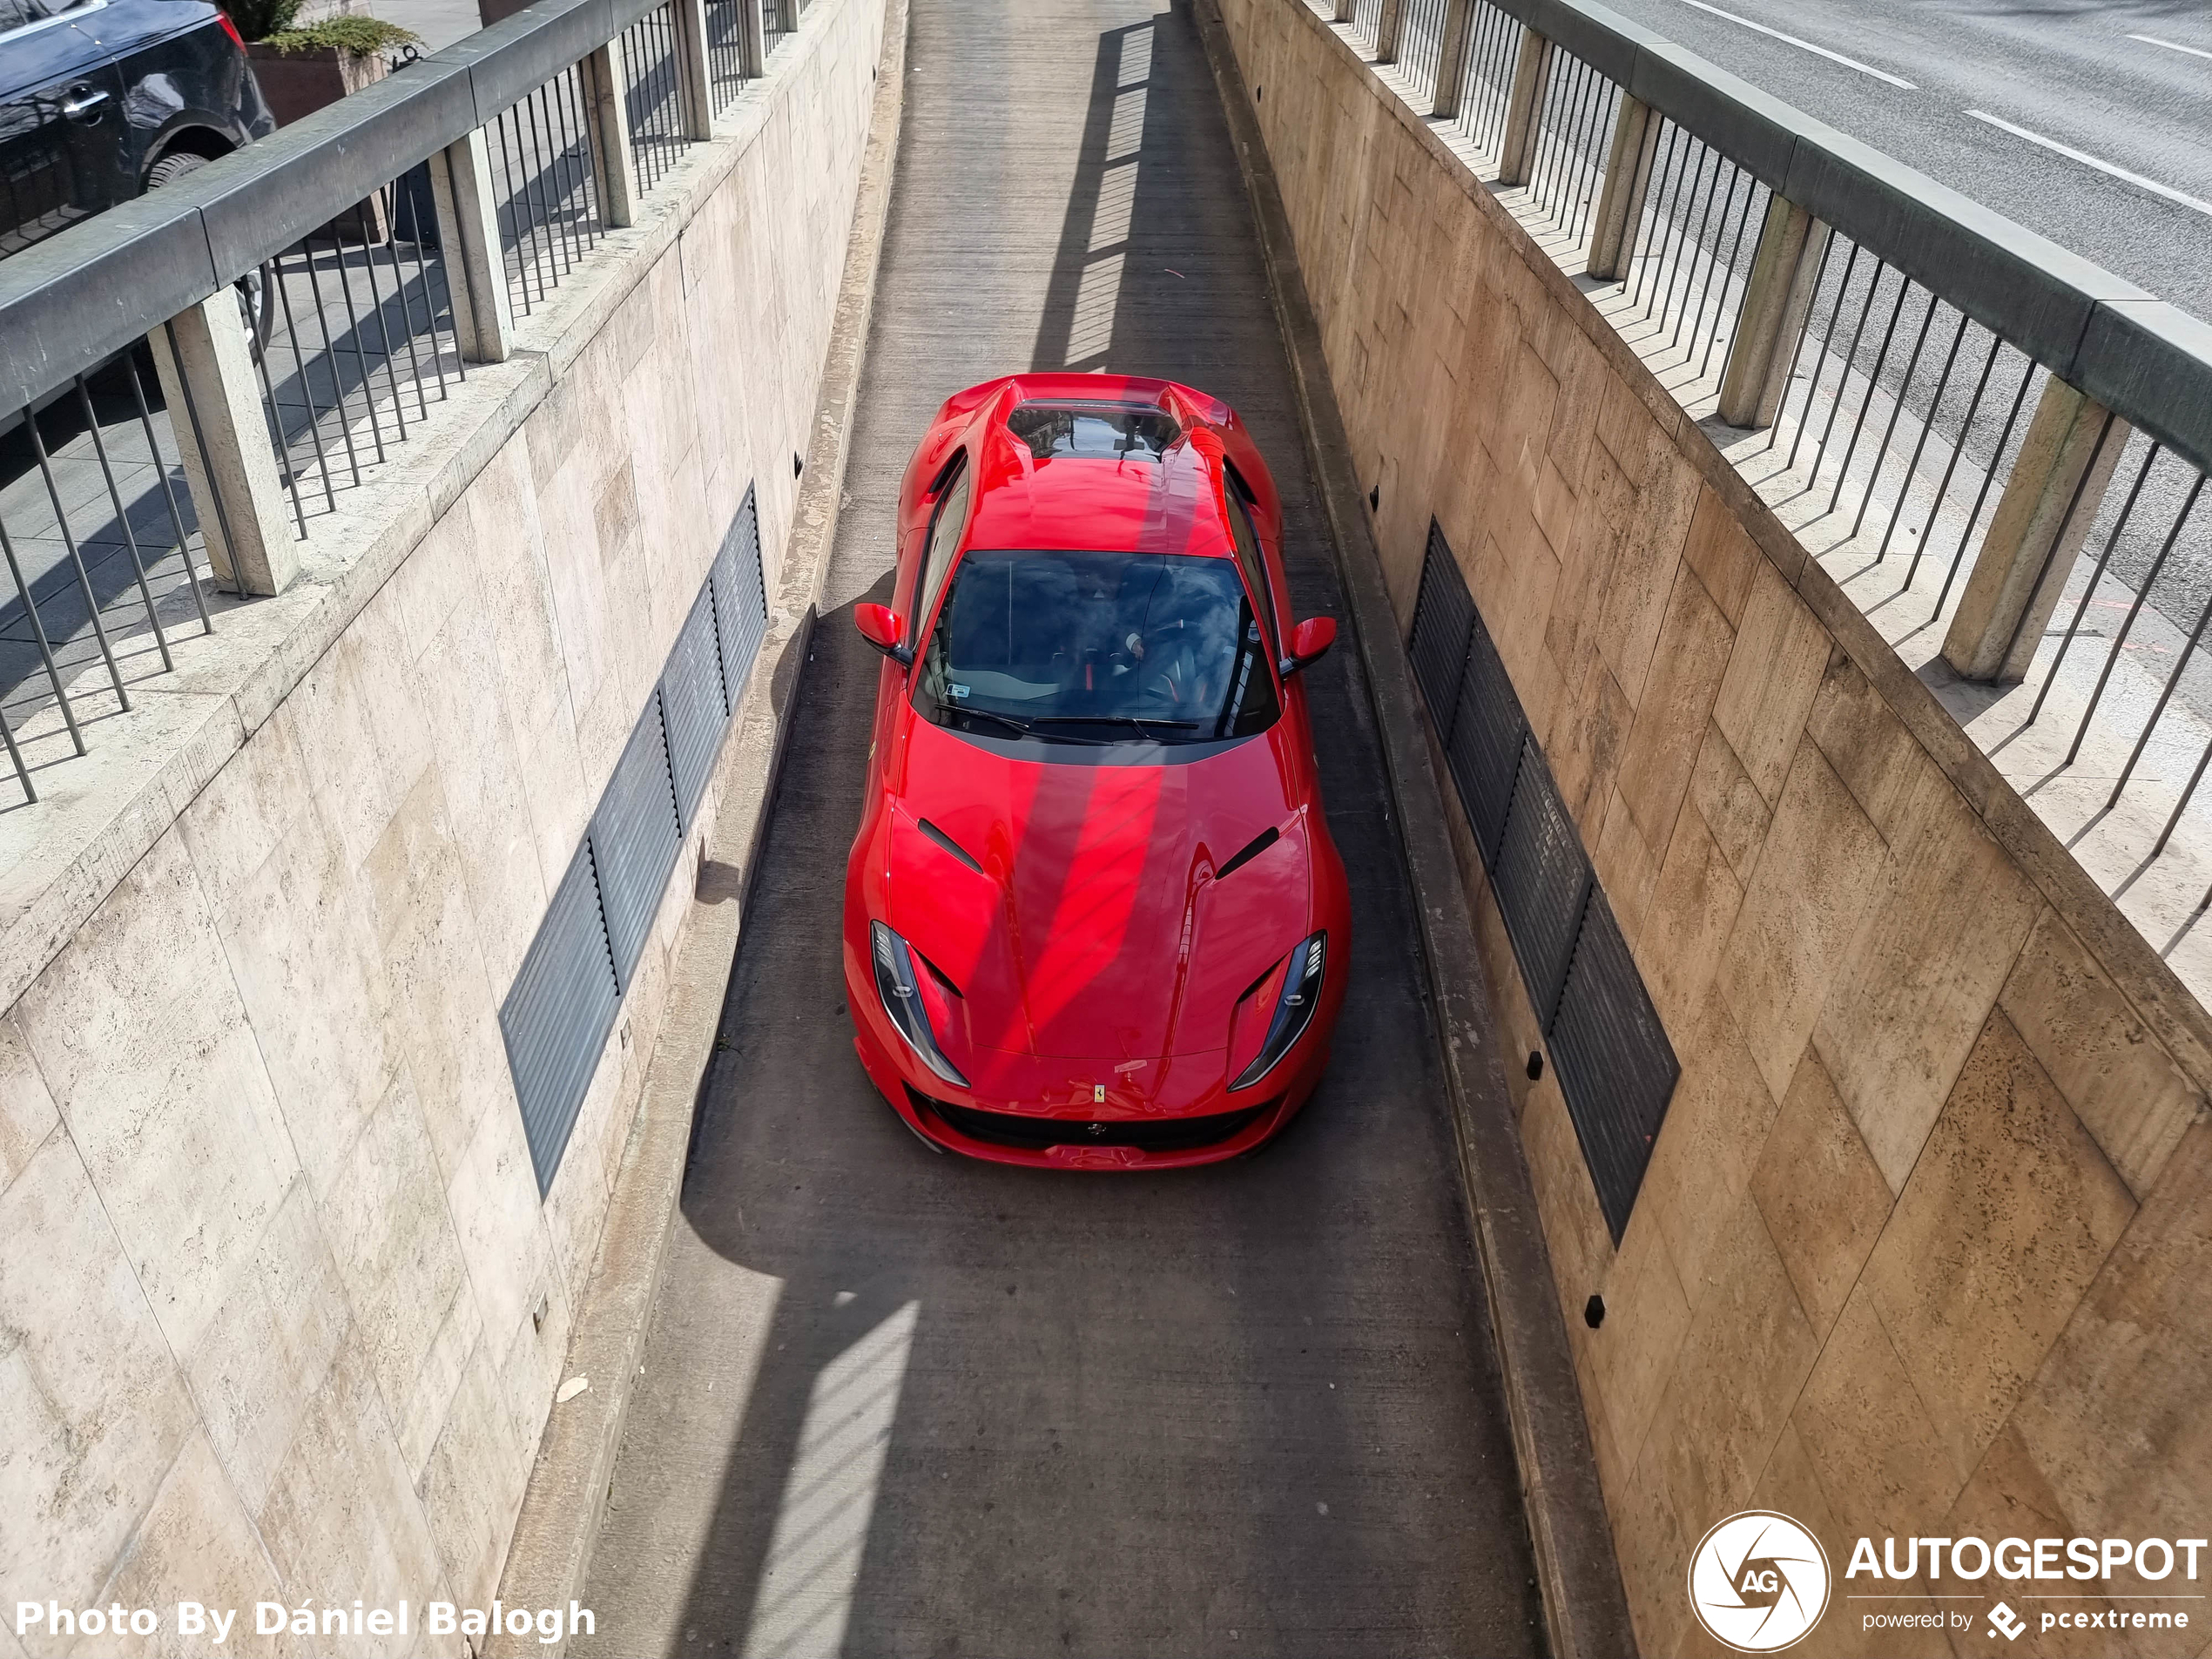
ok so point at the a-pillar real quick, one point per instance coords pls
(206, 371)
(1776, 298)
(483, 315)
(2049, 503)
(1518, 150)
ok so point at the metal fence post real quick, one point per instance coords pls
(1777, 296)
(483, 315)
(1619, 204)
(1520, 145)
(612, 160)
(209, 383)
(1387, 29)
(691, 65)
(2045, 513)
(1452, 58)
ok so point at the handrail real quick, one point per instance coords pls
(72, 301)
(2148, 361)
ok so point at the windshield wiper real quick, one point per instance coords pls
(1142, 724)
(1024, 728)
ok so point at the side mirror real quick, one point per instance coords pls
(1308, 640)
(883, 628)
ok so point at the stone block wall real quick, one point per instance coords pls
(1921, 1246)
(281, 1311)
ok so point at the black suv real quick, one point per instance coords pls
(102, 99)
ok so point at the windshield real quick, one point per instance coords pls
(1096, 648)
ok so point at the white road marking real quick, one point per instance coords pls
(2171, 46)
(2087, 160)
(1806, 45)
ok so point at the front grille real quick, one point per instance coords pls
(1035, 1134)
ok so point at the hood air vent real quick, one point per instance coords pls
(1252, 849)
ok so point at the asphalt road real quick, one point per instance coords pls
(2072, 74)
(896, 1402)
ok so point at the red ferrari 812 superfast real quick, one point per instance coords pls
(1093, 917)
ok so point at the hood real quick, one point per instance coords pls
(1078, 910)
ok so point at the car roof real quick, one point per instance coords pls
(1170, 503)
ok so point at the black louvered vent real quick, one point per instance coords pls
(1542, 880)
(635, 838)
(556, 1018)
(740, 598)
(1443, 618)
(695, 706)
(1610, 1048)
(569, 989)
(1616, 1067)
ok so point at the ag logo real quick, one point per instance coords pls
(1759, 1582)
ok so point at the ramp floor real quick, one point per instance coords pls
(897, 1403)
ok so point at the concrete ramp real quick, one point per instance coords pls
(900, 1403)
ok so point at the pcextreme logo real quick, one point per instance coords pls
(1759, 1582)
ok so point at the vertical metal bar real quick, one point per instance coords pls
(1686, 250)
(1716, 288)
(22, 772)
(69, 541)
(1973, 407)
(123, 517)
(280, 444)
(38, 632)
(1988, 477)
(306, 389)
(1927, 426)
(2112, 658)
(360, 354)
(1897, 409)
(2182, 805)
(383, 328)
(2165, 694)
(429, 301)
(1842, 380)
(1667, 171)
(169, 493)
(1735, 253)
(398, 293)
(1873, 384)
(1812, 381)
(2096, 579)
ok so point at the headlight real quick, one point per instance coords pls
(1300, 995)
(897, 984)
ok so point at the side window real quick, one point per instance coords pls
(1249, 557)
(937, 555)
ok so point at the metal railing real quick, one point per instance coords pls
(191, 382)
(1903, 375)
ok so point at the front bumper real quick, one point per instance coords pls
(1208, 1128)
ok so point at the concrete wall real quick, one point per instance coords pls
(281, 1314)
(1921, 1246)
